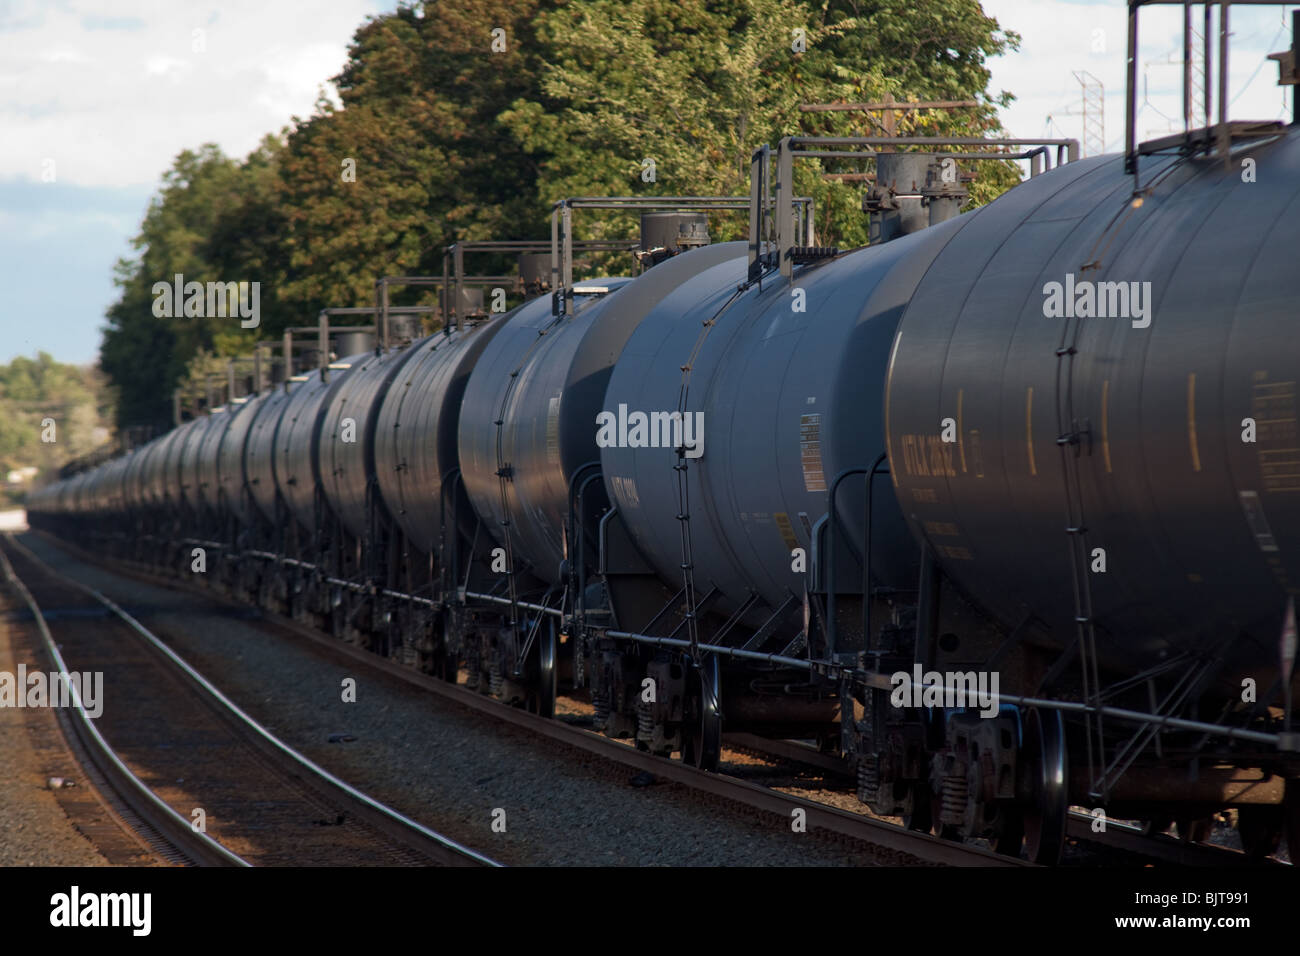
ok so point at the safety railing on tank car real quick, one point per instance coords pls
(774, 229)
(563, 243)
(1213, 138)
(453, 264)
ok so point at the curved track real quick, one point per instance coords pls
(229, 748)
(888, 840)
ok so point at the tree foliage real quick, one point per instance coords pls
(212, 221)
(437, 136)
(37, 391)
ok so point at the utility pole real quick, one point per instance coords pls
(1093, 112)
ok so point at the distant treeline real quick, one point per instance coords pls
(467, 119)
(66, 405)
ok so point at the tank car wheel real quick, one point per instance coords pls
(1260, 829)
(446, 666)
(394, 635)
(1048, 811)
(338, 614)
(543, 693)
(1010, 833)
(702, 730)
(1194, 829)
(446, 663)
(1156, 826)
(921, 819)
(1291, 819)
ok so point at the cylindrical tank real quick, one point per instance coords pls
(470, 302)
(39, 501)
(133, 481)
(346, 434)
(90, 492)
(355, 343)
(784, 393)
(297, 435)
(259, 449)
(230, 457)
(415, 434)
(527, 422)
(71, 502)
(535, 272)
(191, 447)
(81, 494)
(674, 231)
(1130, 424)
(151, 494)
(115, 491)
(209, 454)
(97, 491)
(169, 470)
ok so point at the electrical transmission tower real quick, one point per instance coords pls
(1094, 113)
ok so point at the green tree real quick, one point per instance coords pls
(34, 392)
(184, 232)
(697, 86)
(438, 136)
(420, 97)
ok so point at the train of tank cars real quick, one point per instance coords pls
(670, 490)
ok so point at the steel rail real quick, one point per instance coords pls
(432, 843)
(146, 804)
(1126, 837)
(818, 816)
(1118, 836)
(871, 679)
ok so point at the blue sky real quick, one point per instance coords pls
(1059, 37)
(112, 90)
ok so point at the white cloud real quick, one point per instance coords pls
(164, 65)
(113, 91)
(63, 56)
(1059, 37)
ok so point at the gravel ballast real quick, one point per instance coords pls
(34, 829)
(453, 770)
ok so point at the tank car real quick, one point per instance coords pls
(1003, 509)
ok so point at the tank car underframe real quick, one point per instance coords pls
(652, 655)
(1169, 747)
(945, 769)
(1009, 776)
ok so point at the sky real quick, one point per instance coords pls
(98, 96)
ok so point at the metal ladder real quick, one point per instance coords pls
(505, 473)
(683, 486)
(1070, 438)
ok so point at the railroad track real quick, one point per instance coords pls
(266, 803)
(914, 848)
(1120, 843)
(887, 840)
(1125, 838)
